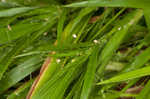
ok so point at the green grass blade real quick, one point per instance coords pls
(108, 23)
(118, 37)
(147, 16)
(145, 91)
(60, 26)
(85, 42)
(19, 72)
(112, 3)
(53, 65)
(89, 75)
(15, 11)
(9, 35)
(58, 79)
(75, 88)
(8, 5)
(128, 76)
(116, 3)
(139, 61)
(21, 92)
(68, 31)
(6, 61)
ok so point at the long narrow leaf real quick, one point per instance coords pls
(14, 11)
(117, 39)
(89, 75)
(112, 3)
(128, 76)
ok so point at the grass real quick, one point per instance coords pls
(93, 49)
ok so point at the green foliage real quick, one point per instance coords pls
(129, 75)
(87, 48)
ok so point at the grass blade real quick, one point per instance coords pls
(60, 26)
(18, 73)
(89, 75)
(14, 11)
(112, 3)
(145, 91)
(114, 42)
(21, 91)
(128, 76)
(139, 61)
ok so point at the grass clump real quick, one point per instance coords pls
(94, 49)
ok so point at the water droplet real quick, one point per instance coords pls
(73, 60)
(16, 94)
(119, 28)
(58, 60)
(9, 28)
(45, 33)
(74, 36)
(95, 41)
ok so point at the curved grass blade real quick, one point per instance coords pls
(60, 26)
(49, 87)
(9, 35)
(68, 31)
(14, 11)
(118, 37)
(116, 3)
(90, 74)
(147, 16)
(51, 65)
(108, 23)
(20, 45)
(128, 76)
(8, 5)
(145, 92)
(19, 72)
(76, 88)
(21, 92)
(112, 3)
(139, 61)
